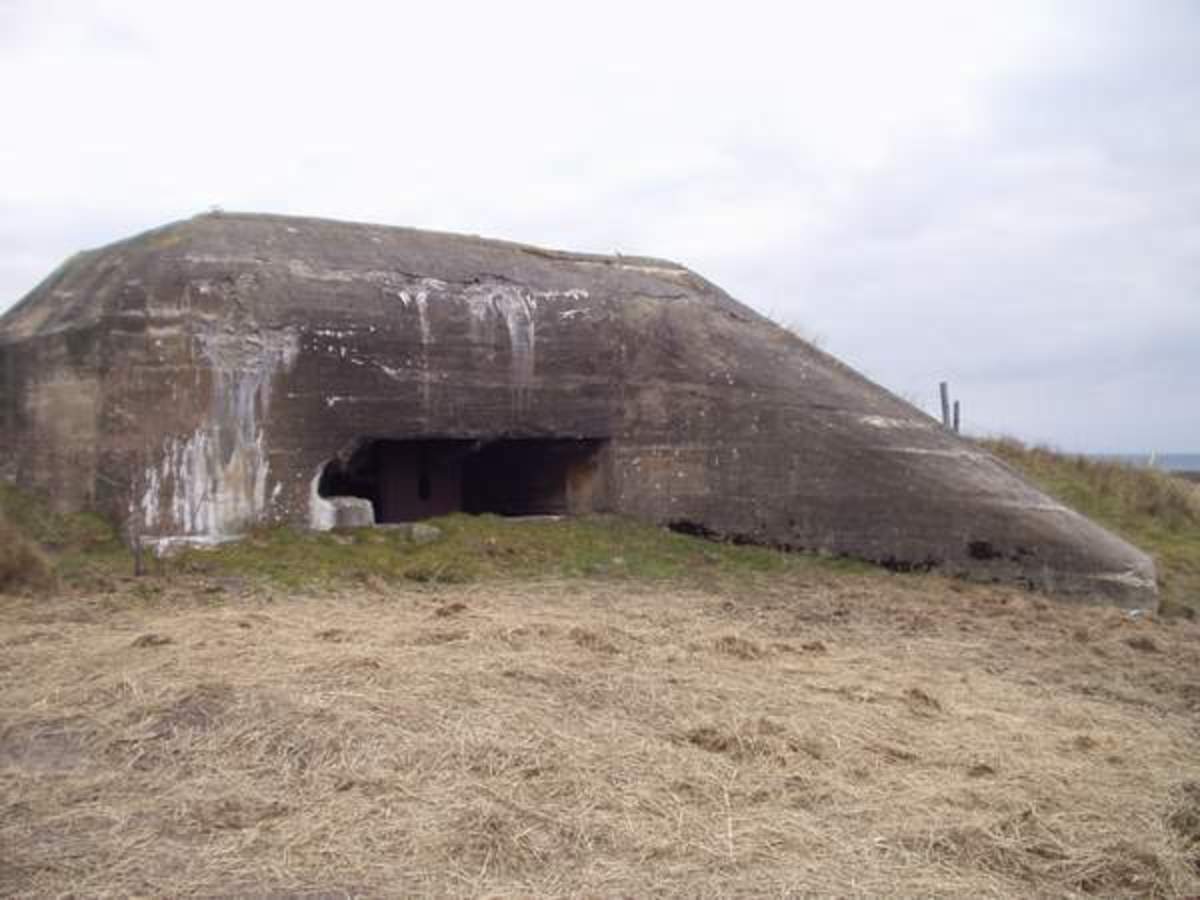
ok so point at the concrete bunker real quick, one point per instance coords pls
(412, 479)
(460, 373)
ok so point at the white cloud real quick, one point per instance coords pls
(939, 188)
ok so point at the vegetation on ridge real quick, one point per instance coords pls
(1153, 510)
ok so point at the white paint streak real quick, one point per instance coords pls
(225, 259)
(931, 451)
(322, 515)
(391, 372)
(886, 422)
(672, 272)
(150, 498)
(214, 480)
(1129, 578)
(166, 546)
(518, 312)
(423, 318)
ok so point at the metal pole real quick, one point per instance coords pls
(957, 417)
(945, 390)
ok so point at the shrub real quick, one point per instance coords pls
(1108, 489)
(23, 565)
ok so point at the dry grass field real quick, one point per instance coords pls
(591, 707)
(800, 732)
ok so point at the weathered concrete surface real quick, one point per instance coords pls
(352, 512)
(195, 379)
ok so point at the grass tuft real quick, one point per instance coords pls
(56, 532)
(23, 565)
(39, 547)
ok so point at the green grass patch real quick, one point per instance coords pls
(1157, 512)
(54, 531)
(483, 548)
(23, 565)
(72, 545)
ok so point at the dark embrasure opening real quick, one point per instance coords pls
(408, 480)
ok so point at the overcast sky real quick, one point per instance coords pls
(1004, 195)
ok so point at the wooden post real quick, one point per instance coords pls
(945, 391)
(957, 417)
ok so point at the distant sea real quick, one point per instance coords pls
(1168, 462)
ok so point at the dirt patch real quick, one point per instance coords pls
(508, 838)
(592, 640)
(921, 703)
(1033, 850)
(151, 640)
(334, 635)
(1144, 643)
(33, 637)
(1124, 869)
(232, 813)
(431, 637)
(764, 739)
(51, 745)
(1183, 818)
(738, 647)
(197, 710)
